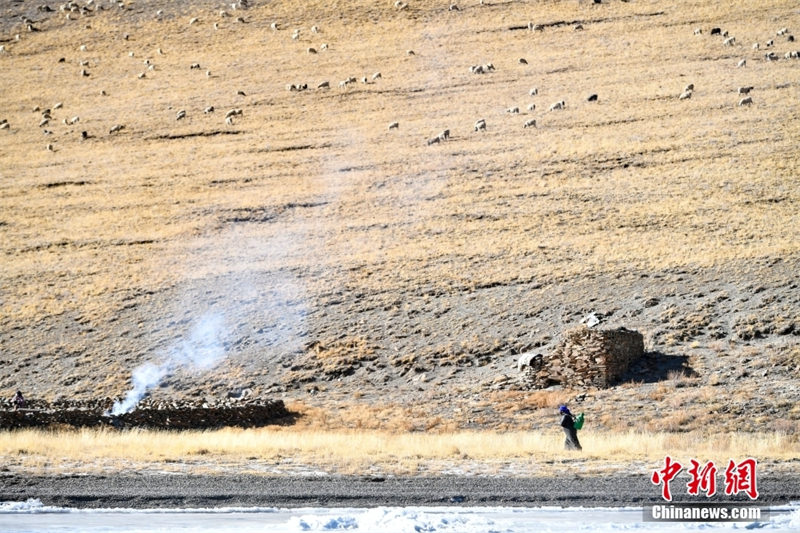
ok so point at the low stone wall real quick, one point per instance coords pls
(158, 416)
(585, 357)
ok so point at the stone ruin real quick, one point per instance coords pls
(585, 357)
(155, 415)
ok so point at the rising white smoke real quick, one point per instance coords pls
(202, 350)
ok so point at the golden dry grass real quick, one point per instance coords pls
(362, 451)
(313, 190)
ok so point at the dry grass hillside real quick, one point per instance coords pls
(374, 280)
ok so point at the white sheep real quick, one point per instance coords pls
(444, 135)
(181, 114)
(741, 63)
(209, 109)
(513, 110)
(730, 41)
(274, 26)
(394, 125)
(434, 140)
(193, 20)
(685, 95)
(561, 104)
(534, 91)
(689, 88)
(116, 128)
(480, 124)
(376, 76)
(746, 101)
(531, 107)
(530, 123)
(324, 85)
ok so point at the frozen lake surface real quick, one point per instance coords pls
(33, 516)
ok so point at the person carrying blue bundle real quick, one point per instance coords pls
(570, 425)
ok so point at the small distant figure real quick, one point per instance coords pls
(568, 425)
(18, 400)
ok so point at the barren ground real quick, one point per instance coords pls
(375, 281)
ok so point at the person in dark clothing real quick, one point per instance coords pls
(18, 400)
(568, 425)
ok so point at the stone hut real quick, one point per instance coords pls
(584, 357)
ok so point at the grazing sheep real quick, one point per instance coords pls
(698, 31)
(513, 110)
(716, 31)
(488, 66)
(74, 120)
(314, 29)
(223, 13)
(274, 26)
(208, 73)
(142, 75)
(523, 61)
(233, 113)
(181, 114)
(591, 98)
(343, 84)
(193, 20)
(159, 51)
(209, 109)
(444, 135)
(400, 5)
(561, 104)
(50, 148)
(44, 122)
(58, 105)
(741, 63)
(756, 46)
(689, 88)
(453, 7)
(376, 76)
(746, 101)
(685, 95)
(323, 46)
(782, 31)
(115, 129)
(476, 69)
(194, 66)
(291, 87)
(534, 91)
(531, 107)
(324, 85)
(770, 56)
(434, 140)
(769, 43)
(410, 52)
(480, 124)
(5, 126)
(364, 80)
(730, 41)
(229, 121)
(394, 125)
(84, 72)
(311, 50)
(296, 35)
(530, 123)
(745, 90)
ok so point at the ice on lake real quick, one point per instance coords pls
(32, 515)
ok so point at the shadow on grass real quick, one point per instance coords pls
(653, 367)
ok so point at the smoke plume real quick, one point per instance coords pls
(202, 350)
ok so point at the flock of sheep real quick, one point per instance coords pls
(72, 9)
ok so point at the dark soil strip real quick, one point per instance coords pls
(172, 491)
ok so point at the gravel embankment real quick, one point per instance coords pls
(176, 491)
